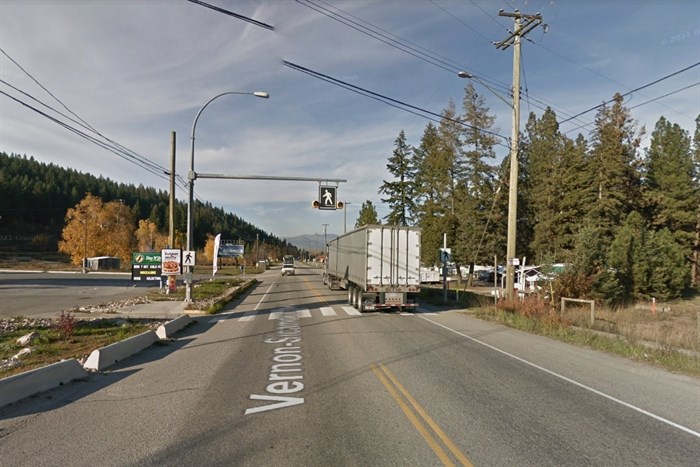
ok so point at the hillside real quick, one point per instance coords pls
(36, 196)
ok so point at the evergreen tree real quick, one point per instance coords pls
(477, 234)
(671, 191)
(432, 176)
(367, 215)
(545, 149)
(614, 168)
(400, 192)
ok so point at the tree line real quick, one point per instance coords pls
(43, 204)
(625, 221)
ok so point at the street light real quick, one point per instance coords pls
(192, 175)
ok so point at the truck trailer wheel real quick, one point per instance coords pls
(351, 295)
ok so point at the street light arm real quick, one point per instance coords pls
(467, 75)
(192, 175)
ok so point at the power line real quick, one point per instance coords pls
(385, 99)
(633, 90)
(235, 15)
(113, 146)
(641, 104)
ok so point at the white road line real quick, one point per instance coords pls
(403, 313)
(249, 316)
(304, 313)
(275, 314)
(264, 295)
(572, 381)
(327, 311)
(351, 311)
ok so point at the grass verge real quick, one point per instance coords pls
(670, 340)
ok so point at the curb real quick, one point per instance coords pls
(171, 327)
(23, 385)
(106, 356)
(16, 387)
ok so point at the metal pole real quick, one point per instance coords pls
(171, 210)
(192, 175)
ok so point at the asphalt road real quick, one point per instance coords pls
(290, 376)
(43, 294)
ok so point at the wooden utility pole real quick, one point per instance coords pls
(523, 24)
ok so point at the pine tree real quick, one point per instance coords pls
(477, 230)
(400, 192)
(367, 215)
(670, 192)
(614, 168)
(433, 183)
(543, 184)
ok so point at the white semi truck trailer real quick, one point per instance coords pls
(379, 266)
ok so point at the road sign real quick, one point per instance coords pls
(188, 258)
(326, 197)
(146, 266)
(171, 261)
(445, 255)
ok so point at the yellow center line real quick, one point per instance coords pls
(391, 383)
(314, 290)
(434, 445)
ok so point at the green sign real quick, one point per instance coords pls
(146, 266)
(146, 258)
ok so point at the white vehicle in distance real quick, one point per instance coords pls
(288, 265)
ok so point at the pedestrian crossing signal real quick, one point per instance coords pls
(327, 198)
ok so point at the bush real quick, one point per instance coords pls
(65, 324)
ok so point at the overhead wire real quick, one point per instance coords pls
(111, 145)
(634, 90)
(387, 100)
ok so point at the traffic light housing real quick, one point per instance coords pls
(340, 205)
(315, 204)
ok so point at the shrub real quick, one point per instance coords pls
(65, 324)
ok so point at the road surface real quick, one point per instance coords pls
(45, 295)
(292, 376)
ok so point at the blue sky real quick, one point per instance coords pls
(137, 70)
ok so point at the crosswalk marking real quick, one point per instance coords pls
(304, 313)
(326, 311)
(351, 311)
(275, 314)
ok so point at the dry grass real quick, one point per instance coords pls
(671, 326)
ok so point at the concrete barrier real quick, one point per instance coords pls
(171, 327)
(106, 356)
(16, 387)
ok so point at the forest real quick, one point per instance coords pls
(38, 201)
(625, 220)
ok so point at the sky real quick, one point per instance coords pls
(136, 71)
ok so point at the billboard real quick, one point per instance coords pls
(171, 262)
(229, 250)
(146, 266)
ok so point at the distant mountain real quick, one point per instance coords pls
(310, 242)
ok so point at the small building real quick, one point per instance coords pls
(103, 263)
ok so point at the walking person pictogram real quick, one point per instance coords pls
(327, 197)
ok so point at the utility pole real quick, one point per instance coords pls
(345, 217)
(524, 23)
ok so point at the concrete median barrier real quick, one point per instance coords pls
(106, 356)
(16, 387)
(171, 327)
